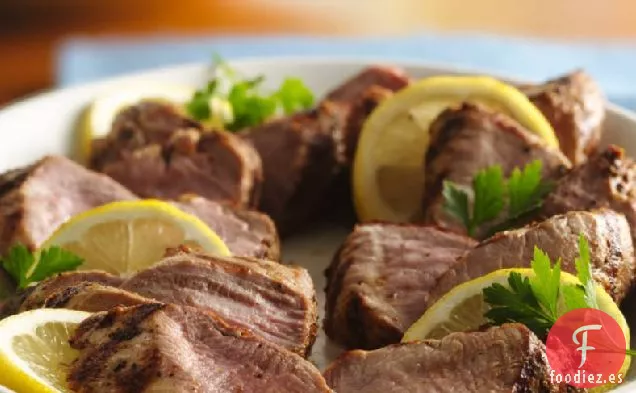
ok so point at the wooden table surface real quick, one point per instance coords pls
(31, 29)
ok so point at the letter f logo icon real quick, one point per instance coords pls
(584, 347)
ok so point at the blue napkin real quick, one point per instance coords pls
(612, 64)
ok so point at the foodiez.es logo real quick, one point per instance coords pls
(586, 348)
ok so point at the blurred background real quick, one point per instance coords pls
(44, 43)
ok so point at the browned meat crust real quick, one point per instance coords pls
(607, 179)
(575, 107)
(157, 347)
(504, 359)
(379, 281)
(304, 154)
(158, 152)
(270, 300)
(469, 138)
(611, 250)
(39, 294)
(35, 200)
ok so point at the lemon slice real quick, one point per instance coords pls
(388, 166)
(98, 117)
(463, 308)
(127, 236)
(34, 349)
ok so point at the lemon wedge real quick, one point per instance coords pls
(388, 168)
(34, 349)
(463, 308)
(127, 236)
(97, 119)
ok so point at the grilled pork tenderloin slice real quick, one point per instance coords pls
(169, 348)
(607, 232)
(272, 301)
(468, 138)
(303, 154)
(245, 232)
(92, 297)
(607, 179)
(35, 200)
(39, 293)
(575, 107)
(508, 358)
(158, 152)
(379, 281)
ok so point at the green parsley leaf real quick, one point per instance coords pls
(546, 282)
(249, 105)
(517, 304)
(538, 301)
(456, 204)
(293, 95)
(584, 272)
(489, 188)
(523, 193)
(526, 190)
(26, 267)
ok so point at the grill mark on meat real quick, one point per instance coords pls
(270, 300)
(56, 285)
(184, 349)
(379, 280)
(462, 142)
(607, 232)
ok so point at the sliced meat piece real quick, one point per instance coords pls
(607, 232)
(273, 301)
(391, 78)
(469, 138)
(92, 297)
(245, 232)
(167, 348)
(607, 179)
(303, 154)
(379, 281)
(43, 290)
(575, 107)
(300, 162)
(358, 114)
(158, 152)
(358, 97)
(37, 199)
(504, 359)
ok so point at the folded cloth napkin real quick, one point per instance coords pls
(613, 64)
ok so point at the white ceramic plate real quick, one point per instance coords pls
(45, 124)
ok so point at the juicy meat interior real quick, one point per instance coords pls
(273, 301)
(168, 348)
(379, 281)
(503, 359)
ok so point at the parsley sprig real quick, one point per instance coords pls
(26, 267)
(539, 300)
(236, 103)
(522, 193)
